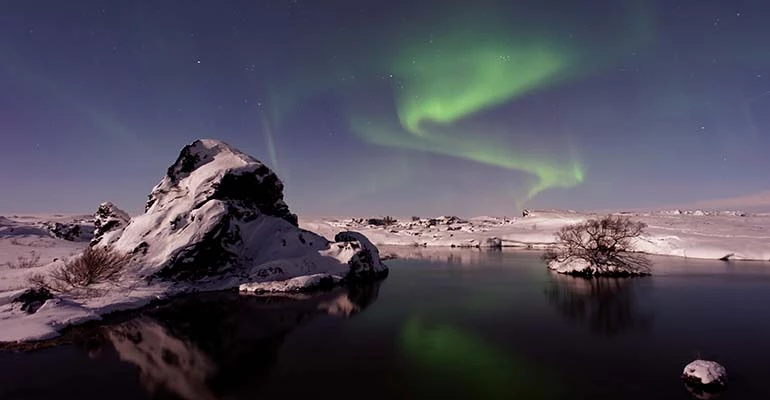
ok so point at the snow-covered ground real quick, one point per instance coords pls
(25, 239)
(696, 234)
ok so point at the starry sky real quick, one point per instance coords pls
(399, 107)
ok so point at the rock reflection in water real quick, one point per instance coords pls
(222, 344)
(445, 255)
(607, 306)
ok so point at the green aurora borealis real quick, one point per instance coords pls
(449, 76)
(393, 107)
(454, 79)
(450, 357)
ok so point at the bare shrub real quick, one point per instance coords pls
(38, 281)
(95, 265)
(26, 262)
(606, 244)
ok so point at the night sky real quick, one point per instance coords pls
(400, 107)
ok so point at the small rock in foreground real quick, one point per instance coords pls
(703, 376)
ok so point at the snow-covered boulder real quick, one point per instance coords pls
(218, 216)
(365, 263)
(705, 375)
(108, 217)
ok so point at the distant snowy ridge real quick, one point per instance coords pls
(73, 228)
(733, 235)
(217, 220)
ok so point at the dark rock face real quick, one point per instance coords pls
(107, 218)
(32, 299)
(262, 190)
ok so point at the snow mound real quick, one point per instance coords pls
(705, 373)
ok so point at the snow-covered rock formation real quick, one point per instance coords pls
(108, 217)
(219, 216)
(705, 375)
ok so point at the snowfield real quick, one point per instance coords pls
(729, 235)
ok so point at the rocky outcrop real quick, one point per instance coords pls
(32, 299)
(108, 218)
(219, 215)
(71, 231)
(365, 264)
(243, 180)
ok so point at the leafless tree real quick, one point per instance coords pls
(606, 244)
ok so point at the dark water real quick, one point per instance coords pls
(454, 324)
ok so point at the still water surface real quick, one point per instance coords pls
(454, 324)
